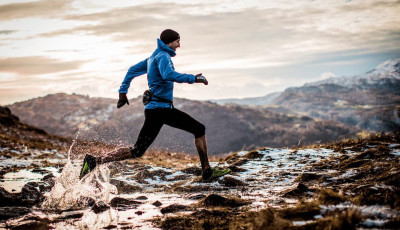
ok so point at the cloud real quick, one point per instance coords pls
(36, 65)
(41, 8)
(5, 32)
(277, 33)
(272, 45)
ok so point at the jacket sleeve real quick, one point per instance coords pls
(134, 71)
(169, 74)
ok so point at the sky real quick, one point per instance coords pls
(244, 48)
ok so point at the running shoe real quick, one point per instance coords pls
(212, 173)
(89, 163)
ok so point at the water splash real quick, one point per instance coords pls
(69, 192)
(72, 145)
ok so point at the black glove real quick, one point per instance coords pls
(199, 78)
(123, 99)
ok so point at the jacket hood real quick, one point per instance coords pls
(161, 46)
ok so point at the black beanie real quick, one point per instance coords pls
(168, 36)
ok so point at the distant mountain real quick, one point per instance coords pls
(229, 128)
(264, 100)
(369, 101)
(385, 76)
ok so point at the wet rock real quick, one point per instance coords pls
(179, 178)
(6, 198)
(328, 196)
(232, 182)
(48, 177)
(110, 226)
(141, 198)
(352, 163)
(253, 155)
(240, 162)
(236, 169)
(49, 183)
(123, 204)
(39, 170)
(69, 215)
(33, 223)
(157, 203)
(11, 212)
(142, 175)
(196, 197)
(192, 170)
(300, 190)
(30, 195)
(88, 201)
(125, 187)
(173, 208)
(217, 200)
(309, 176)
(100, 207)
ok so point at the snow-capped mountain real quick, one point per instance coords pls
(386, 73)
(369, 101)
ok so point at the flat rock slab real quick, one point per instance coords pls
(217, 200)
(173, 208)
(123, 204)
(11, 212)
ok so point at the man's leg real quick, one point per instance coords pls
(181, 120)
(147, 135)
(116, 155)
(201, 146)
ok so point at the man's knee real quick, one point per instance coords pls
(137, 152)
(200, 131)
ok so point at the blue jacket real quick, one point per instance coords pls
(161, 75)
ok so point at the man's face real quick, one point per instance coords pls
(175, 44)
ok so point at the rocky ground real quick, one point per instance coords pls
(345, 185)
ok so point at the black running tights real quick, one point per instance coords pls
(155, 119)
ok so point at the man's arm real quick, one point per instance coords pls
(169, 74)
(134, 71)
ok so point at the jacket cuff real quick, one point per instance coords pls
(191, 79)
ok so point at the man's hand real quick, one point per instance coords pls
(199, 78)
(123, 99)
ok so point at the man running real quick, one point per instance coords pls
(159, 110)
